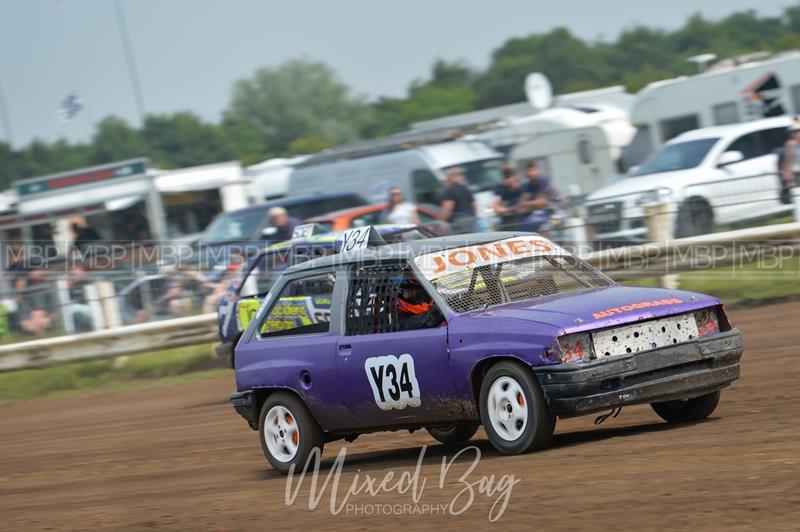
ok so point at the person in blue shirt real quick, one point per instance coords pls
(539, 200)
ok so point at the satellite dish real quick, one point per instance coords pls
(538, 91)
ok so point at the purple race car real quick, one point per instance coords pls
(504, 330)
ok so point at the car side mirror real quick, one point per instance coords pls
(730, 157)
(269, 231)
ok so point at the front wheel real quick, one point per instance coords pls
(514, 413)
(287, 432)
(456, 433)
(689, 410)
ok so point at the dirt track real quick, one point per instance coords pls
(180, 457)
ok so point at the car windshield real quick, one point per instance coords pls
(236, 225)
(506, 271)
(480, 175)
(678, 156)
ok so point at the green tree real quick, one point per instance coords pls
(448, 91)
(569, 62)
(116, 140)
(182, 139)
(295, 100)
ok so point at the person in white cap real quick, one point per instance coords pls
(790, 169)
(283, 223)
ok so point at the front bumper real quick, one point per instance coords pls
(683, 371)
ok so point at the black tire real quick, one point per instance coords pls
(538, 430)
(690, 410)
(310, 435)
(695, 217)
(456, 433)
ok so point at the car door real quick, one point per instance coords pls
(749, 188)
(291, 342)
(390, 376)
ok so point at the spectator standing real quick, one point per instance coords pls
(85, 237)
(506, 197)
(283, 223)
(540, 199)
(400, 211)
(790, 168)
(458, 204)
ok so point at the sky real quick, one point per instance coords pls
(190, 52)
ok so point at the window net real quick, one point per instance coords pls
(516, 280)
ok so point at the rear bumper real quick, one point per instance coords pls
(678, 372)
(225, 352)
(245, 405)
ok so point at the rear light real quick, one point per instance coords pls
(707, 322)
(575, 348)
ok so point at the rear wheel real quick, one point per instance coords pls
(514, 413)
(287, 432)
(688, 410)
(456, 433)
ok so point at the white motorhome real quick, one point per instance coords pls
(372, 168)
(578, 138)
(731, 91)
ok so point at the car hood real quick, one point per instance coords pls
(635, 185)
(601, 307)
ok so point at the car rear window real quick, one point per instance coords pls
(506, 271)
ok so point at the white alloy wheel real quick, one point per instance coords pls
(507, 408)
(281, 433)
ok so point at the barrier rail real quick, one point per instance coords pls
(127, 340)
(132, 339)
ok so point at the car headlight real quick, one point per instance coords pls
(707, 321)
(653, 196)
(575, 348)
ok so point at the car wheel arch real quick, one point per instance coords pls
(260, 395)
(482, 367)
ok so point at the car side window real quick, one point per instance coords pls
(376, 302)
(264, 274)
(303, 306)
(774, 139)
(750, 145)
(426, 185)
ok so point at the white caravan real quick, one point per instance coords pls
(731, 91)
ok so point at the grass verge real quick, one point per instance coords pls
(165, 367)
(742, 285)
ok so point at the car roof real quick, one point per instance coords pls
(290, 202)
(351, 212)
(733, 129)
(406, 250)
(333, 236)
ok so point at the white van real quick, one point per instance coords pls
(418, 171)
(709, 177)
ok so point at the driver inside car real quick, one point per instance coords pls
(415, 307)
